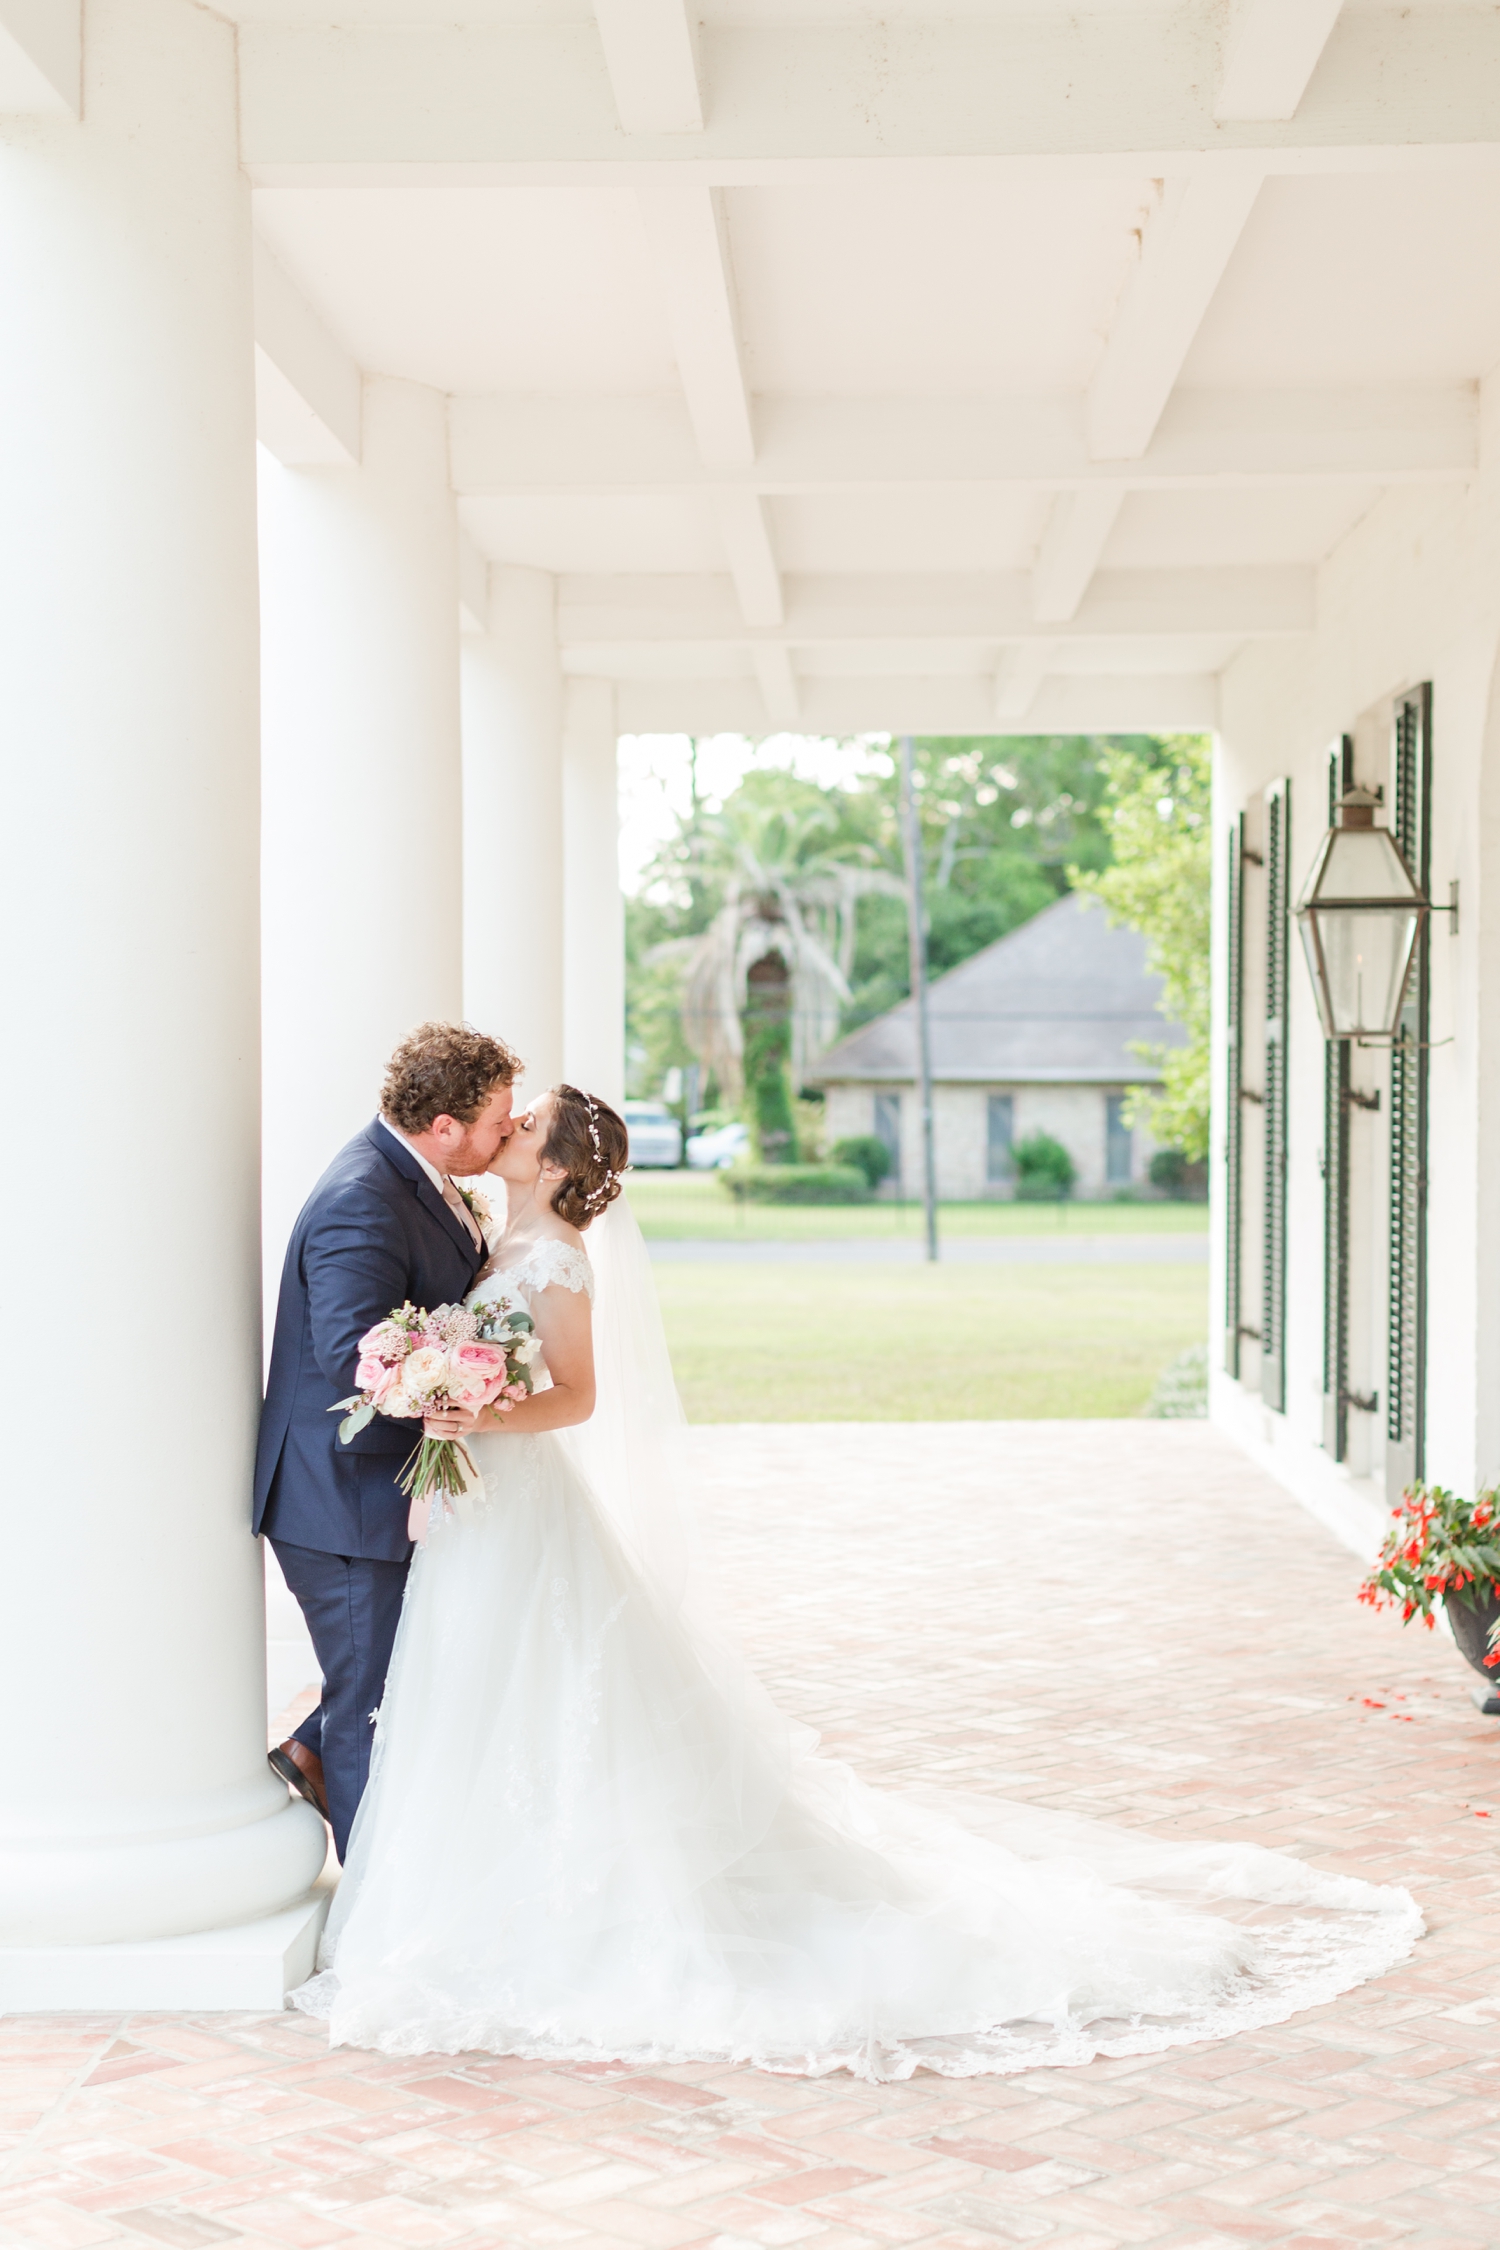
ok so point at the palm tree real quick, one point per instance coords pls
(764, 984)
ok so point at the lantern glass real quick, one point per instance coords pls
(1361, 863)
(1360, 916)
(1366, 959)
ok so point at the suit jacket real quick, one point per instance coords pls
(373, 1234)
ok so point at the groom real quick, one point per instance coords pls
(384, 1225)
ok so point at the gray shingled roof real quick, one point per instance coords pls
(1058, 1001)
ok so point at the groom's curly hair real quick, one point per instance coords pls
(444, 1070)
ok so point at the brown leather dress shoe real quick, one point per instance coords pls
(299, 1767)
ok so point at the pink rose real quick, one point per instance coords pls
(477, 1373)
(373, 1375)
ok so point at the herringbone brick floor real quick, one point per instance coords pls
(1121, 1618)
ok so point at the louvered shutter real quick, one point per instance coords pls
(1278, 994)
(1406, 1350)
(1234, 1137)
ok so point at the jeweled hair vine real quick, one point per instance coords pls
(590, 1140)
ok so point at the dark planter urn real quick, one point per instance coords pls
(1471, 1614)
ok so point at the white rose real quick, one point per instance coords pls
(397, 1403)
(528, 1349)
(424, 1372)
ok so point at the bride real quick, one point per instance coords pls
(588, 1834)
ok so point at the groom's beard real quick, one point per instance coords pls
(471, 1161)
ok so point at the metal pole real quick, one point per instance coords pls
(917, 937)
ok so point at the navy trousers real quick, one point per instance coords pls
(352, 1604)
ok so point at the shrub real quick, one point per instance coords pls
(867, 1153)
(1181, 1393)
(1044, 1170)
(795, 1183)
(1176, 1176)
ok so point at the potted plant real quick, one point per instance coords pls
(1439, 1545)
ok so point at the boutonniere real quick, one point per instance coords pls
(479, 1209)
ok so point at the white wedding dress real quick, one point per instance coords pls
(588, 1834)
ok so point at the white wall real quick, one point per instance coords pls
(1412, 594)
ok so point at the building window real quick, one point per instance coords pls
(1118, 1142)
(1000, 1132)
(888, 1128)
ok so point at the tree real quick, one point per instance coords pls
(1003, 818)
(764, 980)
(1156, 814)
(814, 880)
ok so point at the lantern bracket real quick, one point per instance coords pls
(1417, 1046)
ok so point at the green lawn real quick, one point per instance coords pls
(692, 1206)
(893, 1343)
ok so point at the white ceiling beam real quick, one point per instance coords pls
(751, 557)
(1127, 92)
(41, 58)
(1205, 440)
(1185, 247)
(1095, 703)
(307, 388)
(1270, 53)
(947, 703)
(860, 610)
(1072, 548)
(776, 675)
(650, 51)
(1018, 676)
(690, 246)
(685, 223)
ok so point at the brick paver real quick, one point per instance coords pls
(1125, 1619)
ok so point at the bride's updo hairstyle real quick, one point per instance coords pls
(589, 1140)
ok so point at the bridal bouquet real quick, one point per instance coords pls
(415, 1363)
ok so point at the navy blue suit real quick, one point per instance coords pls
(373, 1234)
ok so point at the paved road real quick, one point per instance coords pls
(977, 1250)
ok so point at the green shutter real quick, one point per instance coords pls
(1406, 1349)
(1278, 995)
(1234, 1137)
(1336, 1188)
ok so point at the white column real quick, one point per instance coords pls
(512, 827)
(136, 1801)
(593, 906)
(362, 894)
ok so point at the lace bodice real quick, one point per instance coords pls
(547, 1263)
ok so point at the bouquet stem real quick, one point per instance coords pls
(438, 1465)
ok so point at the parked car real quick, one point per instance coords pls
(655, 1135)
(711, 1151)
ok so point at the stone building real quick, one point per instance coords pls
(1037, 1033)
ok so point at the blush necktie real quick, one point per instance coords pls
(460, 1210)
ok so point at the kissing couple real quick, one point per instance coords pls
(573, 1826)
